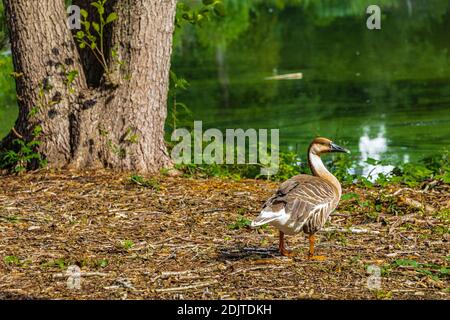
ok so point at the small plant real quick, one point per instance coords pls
(383, 295)
(177, 84)
(350, 196)
(117, 150)
(11, 260)
(95, 40)
(241, 222)
(429, 269)
(23, 155)
(143, 182)
(70, 79)
(60, 263)
(131, 136)
(102, 263)
(127, 244)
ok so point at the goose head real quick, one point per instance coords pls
(323, 145)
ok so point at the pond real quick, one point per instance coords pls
(384, 94)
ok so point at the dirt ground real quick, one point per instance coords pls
(188, 238)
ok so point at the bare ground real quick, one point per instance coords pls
(189, 240)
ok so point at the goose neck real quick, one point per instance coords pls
(318, 169)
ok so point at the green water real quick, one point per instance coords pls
(382, 93)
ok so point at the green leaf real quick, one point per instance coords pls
(183, 6)
(87, 25)
(103, 263)
(219, 9)
(208, 2)
(446, 177)
(71, 76)
(96, 26)
(11, 260)
(80, 34)
(112, 17)
(82, 45)
(406, 263)
(98, 5)
(349, 196)
(84, 13)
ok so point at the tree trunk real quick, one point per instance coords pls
(94, 122)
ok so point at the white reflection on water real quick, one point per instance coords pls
(373, 148)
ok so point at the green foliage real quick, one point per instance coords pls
(198, 14)
(127, 244)
(290, 165)
(241, 222)
(3, 28)
(70, 79)
(102, 263)
(24, 155)
(432, 270)
(116, 149)
(143, 182)
(11, 260)
(131, 136)
(95, 40)
(178, 109)
(8, 98)
(58, 263)
(411, 174)
(349, 196)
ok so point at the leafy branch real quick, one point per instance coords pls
(208, 9)
(95, 40)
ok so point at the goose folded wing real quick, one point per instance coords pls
(304, 198)
(310, 202)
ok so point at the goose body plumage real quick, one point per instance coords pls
(304, 202)
(301, 203)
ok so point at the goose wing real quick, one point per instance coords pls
(302, 201)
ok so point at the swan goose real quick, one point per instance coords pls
(304, 202)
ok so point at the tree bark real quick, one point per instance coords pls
(92, 123)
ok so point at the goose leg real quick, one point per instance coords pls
(283, 251)
(312, 239)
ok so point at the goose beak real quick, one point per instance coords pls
(336, 148)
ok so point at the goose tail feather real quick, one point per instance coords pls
(267, 216)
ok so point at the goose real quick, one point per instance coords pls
(304, 202)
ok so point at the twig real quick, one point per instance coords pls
(213, 210)
(82, 274)
(194, 286)
(401, 190)
(416, 204)
(271, 267)
(16, 133)
(350, 230)
(8, 218)
(167, 274)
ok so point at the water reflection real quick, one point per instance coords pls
(373, 148)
